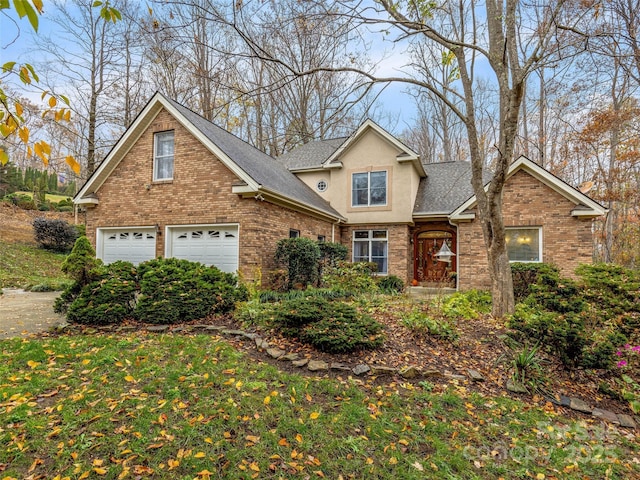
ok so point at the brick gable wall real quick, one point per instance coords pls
(200, 193)
(566, 240)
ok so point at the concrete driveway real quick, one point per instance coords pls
(25, 313)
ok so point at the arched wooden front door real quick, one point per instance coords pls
(427, 267)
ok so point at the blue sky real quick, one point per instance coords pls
(394, 103)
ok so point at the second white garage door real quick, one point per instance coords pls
(211, 244)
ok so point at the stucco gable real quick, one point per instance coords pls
(585, 206)
(405, 153)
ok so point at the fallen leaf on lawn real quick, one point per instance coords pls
(200, 455)
(314, 415)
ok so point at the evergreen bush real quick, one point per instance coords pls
(299, 257)
(56, 235)
(173, 290)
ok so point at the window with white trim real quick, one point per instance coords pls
(371, 246)
(524, 244)
(369, 189)
(163, 156)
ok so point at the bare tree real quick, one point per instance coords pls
(509, 38)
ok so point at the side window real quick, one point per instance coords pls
(163, 156)
(524, 244)
(369, 189)
(294, 233)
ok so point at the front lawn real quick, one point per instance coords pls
(184, 406)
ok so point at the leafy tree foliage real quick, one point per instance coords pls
(299, 256)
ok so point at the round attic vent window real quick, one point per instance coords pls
(322, 185)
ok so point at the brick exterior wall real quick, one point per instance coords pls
(200, 193)
(566, 240)
(399, 250)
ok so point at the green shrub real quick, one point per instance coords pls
(421, 323)
(81, 261)
(339, 334)
(562, 335)
(254, 312)
(355, 277)
(299, 257)
(108, 300)
(327, 293)
(526, 274)
(333, 327)
(56, 235)
(173, 290)
(391, 284)
(467, 305)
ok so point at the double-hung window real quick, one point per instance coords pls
(371, 246)
(163, 156)
(524, 244)
(369, 189)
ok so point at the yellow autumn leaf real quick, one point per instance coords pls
(200, 455)
(84, 475)
(129, 378)
(267, 400)
(19, 109)
(52, 102)
(67, 115)
(33, 364)
(298, 438)
(100, 470)
(4, 158)
(540, 476)
(173, 464)
(252, 438)
(314, 415)
(283, 442)
(254, 466)
(75, 166)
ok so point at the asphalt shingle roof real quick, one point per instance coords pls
(262, 168)
(446, 187)
(312, 154)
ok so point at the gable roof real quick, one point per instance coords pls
(260, 173)
(445, 187)
(406, 154)
(312, 155)
(321, 154)
(585, 206)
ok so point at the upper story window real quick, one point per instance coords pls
(524, 244)
(294, 233)
(369, 189)
(163, 156)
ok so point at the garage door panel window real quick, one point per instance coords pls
(371, 246)
(524, 244)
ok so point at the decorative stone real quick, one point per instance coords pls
(475, 375)
(565, 401)
(409, 372)
(127, 328)
(432, 373)
(178, 329)
(340, 366)
(199, 327)
(250, 336)
(516, 387)
(214, 328)
(261, 342)
(158, 328)
(290, 356)
(316, 365)
(453, 376)
(300, 363)
(383, 371)
(275, 352)
(626, 421)
(580, 405)
(361, 369)
(233, 332)
(606, 415)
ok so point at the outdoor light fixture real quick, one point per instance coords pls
(158, 231)
(445, 253)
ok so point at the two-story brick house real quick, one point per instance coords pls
(176, 185)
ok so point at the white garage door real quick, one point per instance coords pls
(210, 244)
(134, 245)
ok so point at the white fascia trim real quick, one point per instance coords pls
(429, 216)
(300, 205)
(243, 189)
(593, 209)
(120, 149)
(317, 168)
(406, 155)
(86, 201)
